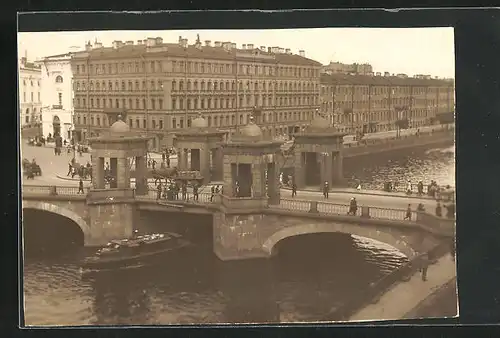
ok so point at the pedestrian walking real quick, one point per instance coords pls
(408, 213)
(424, 265)
(80, 187)
(69, 169)
(353, 207)
(294, 189)
(439, 210)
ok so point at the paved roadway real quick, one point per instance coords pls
(404, 297)
(58, 165)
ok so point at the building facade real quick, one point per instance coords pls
(29, 97)
(57, 95)
(357, 103)
(342, 68)
(161, 87)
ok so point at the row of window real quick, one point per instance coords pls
(379, 116)
(203, 103)
(379, 90)
(32, 97)
(212, 121)
(196, 67)
(385, 103)
(209, 85)
(32, 83)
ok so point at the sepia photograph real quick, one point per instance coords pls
(237, 176)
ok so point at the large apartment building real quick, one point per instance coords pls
(160, 87)
(359, 103)
(29, 97)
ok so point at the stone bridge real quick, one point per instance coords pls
(252, 233)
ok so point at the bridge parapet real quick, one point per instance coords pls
(235, 205)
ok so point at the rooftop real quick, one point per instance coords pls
(194, 52)
(381, 80)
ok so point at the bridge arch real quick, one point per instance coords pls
(386, 237)
(44, 206)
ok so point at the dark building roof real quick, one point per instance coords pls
(193, 52)
(347, 79)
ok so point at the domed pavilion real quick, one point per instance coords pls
(248, 158)
(111, 155)
(199, 149)
(318, 155)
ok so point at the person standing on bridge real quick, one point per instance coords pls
(212, 193)
(294, 189)
(158, 191)
(408, 213)
(195, 192)
(80, 186)
(70, 166)
(325, 189)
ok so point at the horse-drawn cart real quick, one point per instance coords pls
(31, 169)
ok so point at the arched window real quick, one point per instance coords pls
(59, 79)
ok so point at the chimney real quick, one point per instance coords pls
(208, 43)
(250, 46)
(269, 50)
(129, 43)
(97, 45)
(88, 46)
(282, 50)
(302, 53)
(150, 42)
(139, 42)
(180, 40)
(244, 46)
(233, 45)
(227, 45)
(158, 41)
(217, 43)
(387, 74)
(263, 48)
(288, 51)
(184, 43)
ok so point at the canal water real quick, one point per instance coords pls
(310, 275)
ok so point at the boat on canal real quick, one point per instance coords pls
(134, 252)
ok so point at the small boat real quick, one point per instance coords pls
(138, 251)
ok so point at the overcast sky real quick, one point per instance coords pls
(396, 50)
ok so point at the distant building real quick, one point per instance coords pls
(57, 95)
(342, 68)
(29, 97)
(360, 103)
(160, 87)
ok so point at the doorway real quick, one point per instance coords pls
(312, 174)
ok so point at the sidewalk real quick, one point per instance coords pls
(406, 296)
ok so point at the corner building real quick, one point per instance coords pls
(160, 87)
(374, 103)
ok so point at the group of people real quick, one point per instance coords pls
(171, 190)
(75, 168)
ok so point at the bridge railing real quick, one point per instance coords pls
(203, 197)
(373, 293)
(52, 190)
(343, 209)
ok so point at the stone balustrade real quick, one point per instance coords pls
(442, 224)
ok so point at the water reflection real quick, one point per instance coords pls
(420, 164)
(310, 275)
